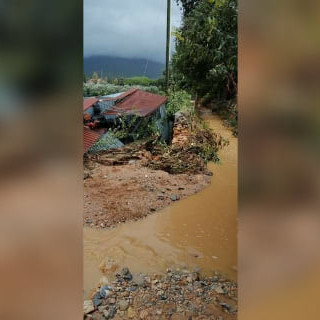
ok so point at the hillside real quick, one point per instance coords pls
(115, 67)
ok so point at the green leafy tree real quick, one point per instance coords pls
(205, 61)
(187, 5)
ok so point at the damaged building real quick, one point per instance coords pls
(135, 105)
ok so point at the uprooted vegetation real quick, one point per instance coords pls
(193, 145)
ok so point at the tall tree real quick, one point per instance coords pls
(187, 5)
(206, 50)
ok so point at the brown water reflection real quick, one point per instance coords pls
(198, 231)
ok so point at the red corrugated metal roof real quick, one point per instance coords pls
(87, 103)
(90, 137)
(138, 102)
(127, 93)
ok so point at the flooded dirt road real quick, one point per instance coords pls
(198, 231)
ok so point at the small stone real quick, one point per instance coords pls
(174, 198)
(102, 308)
(125, 273)
(219, 290)
(105, 291)
(97, 316)
(97, 300)
(88, 306)
(86, 176)
(140, 281)
(123, 305)
(133, 288)
(106, 314)
(126, 294)
(164, 297)
(131, 313)
(228, 307)
(195, 276)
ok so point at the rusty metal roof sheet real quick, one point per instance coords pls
(90, 137)
(137, 102)
(89, 102)
(127, 93)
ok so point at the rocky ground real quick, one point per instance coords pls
(115, 194)
(179, 294)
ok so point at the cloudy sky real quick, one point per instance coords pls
(127, 28)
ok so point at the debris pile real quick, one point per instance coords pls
(179, 294)
(193, 145)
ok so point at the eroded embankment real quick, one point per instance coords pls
(115, 194)
(143, 177)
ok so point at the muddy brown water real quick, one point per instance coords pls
(199, 231)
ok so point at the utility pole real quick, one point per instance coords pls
(168, 42)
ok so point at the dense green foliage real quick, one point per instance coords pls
(101, 89)
(205, 61)
(187, 5)
(144, 128)
(178, 101)
(229, 112)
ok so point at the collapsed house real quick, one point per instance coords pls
(106, 112)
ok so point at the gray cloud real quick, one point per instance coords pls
(127, 28)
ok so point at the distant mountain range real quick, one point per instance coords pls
(115, 67)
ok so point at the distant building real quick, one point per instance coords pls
(89, 106)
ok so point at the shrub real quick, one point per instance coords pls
(179, 101)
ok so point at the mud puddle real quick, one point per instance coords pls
(198, 231)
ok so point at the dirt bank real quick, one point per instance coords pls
(143, 177)
(115, 194)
